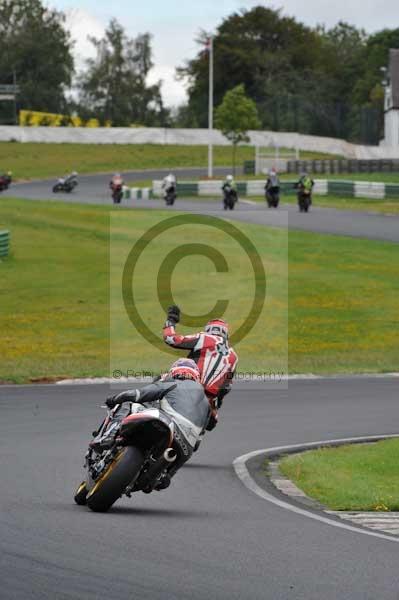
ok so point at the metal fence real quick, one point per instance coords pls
(343, 166)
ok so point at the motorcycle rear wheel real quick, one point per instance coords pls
(113, 482)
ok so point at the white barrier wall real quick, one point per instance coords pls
(368, 189)
(320, 187)
(210, 188)
(256, 188)
(157, 135)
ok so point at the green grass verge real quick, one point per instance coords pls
(35, 160)
(353, 477)
(343, 313)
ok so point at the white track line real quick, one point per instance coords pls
(242, 472)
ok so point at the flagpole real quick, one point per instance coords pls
(210, 110)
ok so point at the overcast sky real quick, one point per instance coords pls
(175, 23)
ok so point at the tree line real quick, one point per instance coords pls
(311, 80)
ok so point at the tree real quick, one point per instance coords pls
(319, 81)
(35, 45)
(236, 116)
(114, 86)
(260, 48)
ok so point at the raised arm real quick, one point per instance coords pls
(184, 342)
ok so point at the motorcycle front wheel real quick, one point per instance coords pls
(112, 483)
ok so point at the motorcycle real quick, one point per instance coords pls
(304, 199)
(117, 193)
(136, 458)
(272, 195)
(5, 181)
(66, 184)
(170, 195)
(229, 198)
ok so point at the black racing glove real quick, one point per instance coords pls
(129, 396)
(211, 423)
(173, 314)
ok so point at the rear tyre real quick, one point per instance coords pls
(111, 485)
(80, 494)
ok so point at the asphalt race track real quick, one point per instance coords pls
(93, 189)
(207, 536)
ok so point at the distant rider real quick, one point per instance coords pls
(210, 350)
(169, 184)
(304, 183)
(229, 184)
(272, 182)
(180, 395)
(116, 181)
(73, 177)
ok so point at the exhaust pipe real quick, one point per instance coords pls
(170, 455)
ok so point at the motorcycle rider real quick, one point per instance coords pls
(168, 184)
(180, 395)
(117, 180)
(305, 182)
(210, 349)
(229, 188)
(73, 177)
(5, 180)
(272, 182)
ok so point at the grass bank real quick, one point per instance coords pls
(352, 477)
(35, 160)
(331, 301)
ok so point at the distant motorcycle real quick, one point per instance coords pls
(304, 193)
(5, 181)
(304, 197)
(66, 184)
(229, 197)
(170, 195)
(272, 195)
(117, 193)
(304, 200)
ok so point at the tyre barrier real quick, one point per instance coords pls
(4, 243)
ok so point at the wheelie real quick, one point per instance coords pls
(66, 184)
(230, 196)
(304, 187)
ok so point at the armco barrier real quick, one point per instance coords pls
(4, 243)
(341, 188)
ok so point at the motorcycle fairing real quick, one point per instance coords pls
(148, 428)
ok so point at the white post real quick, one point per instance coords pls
(210, 113)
